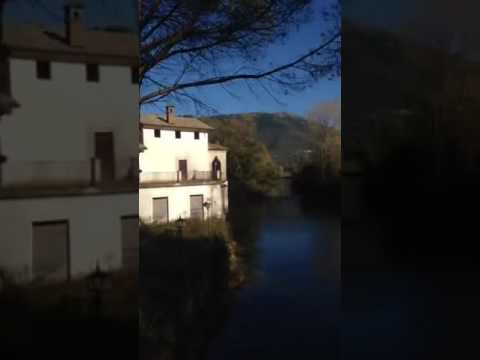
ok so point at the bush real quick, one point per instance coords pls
(32, 315)
(186, 282)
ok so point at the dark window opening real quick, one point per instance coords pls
(178, 134)
(93, 73)
(43, 70)
(135, 75)
(197, 135)
(157, 133)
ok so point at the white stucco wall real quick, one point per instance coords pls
(163, 153)
(94, 224)
(59, 116)
(179, 200)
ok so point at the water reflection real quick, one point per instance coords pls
(292, 306)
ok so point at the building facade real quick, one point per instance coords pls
(68, 187)
(182, 175)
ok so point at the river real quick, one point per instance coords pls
(290, 307)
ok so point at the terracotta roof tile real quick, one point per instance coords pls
(180, 122)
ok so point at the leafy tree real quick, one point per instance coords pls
(328, 113)
(250, 165)
(326, 154)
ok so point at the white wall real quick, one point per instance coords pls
(75, 109)
(179, 200)
(95, 229)
(163, 153)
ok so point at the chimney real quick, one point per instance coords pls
(74, 23)
(170, 111)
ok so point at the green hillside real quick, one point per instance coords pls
(285, 136)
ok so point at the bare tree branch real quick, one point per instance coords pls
(207, 33)
(228, 78)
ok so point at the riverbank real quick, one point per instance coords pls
(287, 256)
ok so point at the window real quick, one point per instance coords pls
(43, 70)
(178, 134)
(157, 133)
(134, 73)
(93, 74)
(197, 135)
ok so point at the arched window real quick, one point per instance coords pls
(216, 168)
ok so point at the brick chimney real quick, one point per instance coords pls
(75, 23)
(170, 114)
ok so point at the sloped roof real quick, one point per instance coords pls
(216, 147)
(33, 38)
(155, 121)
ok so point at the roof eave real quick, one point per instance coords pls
(167, 127)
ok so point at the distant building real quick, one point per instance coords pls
(182, 175)
(68, 190)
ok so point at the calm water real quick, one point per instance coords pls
(291, 305)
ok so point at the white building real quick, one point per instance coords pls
(69, 186)
(182, 175)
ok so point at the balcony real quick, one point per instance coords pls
(179, 177)
(60, 177)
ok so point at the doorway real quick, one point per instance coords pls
(104, 151)
(182, 167)
(196, 207)
(130, 242)
(50, 248)
(160, 210)
(216, 169)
